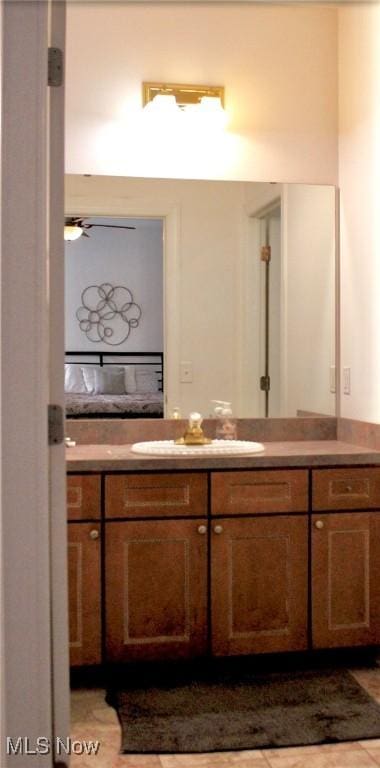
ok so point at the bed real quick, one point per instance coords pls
(127, 385)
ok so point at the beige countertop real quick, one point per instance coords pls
(301, 453)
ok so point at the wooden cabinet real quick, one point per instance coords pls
(84, 593)
(156, 589)
(83, 497)
(345, 552)
(168, 494)
(259, 492)
(156, 566)
(157, 570)
(223, 562)
(259, 585)
(259, 562)
(346, 579)
(84, 558)
(340, 489)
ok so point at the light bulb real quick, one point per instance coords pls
(212, 103)
(72, 231)
(163, 103)
(212, 111)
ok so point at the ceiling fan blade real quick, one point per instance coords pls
(72, 221)
(77, 221)
(109, 226)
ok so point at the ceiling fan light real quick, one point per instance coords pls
(72, 231)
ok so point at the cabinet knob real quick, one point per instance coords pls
(348, 489)
(94, 534)
(218, 529)
(202, 529)
(319, 524)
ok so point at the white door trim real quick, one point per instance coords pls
(248, 321)
(57, 466)
(25, 631)
(170, 213)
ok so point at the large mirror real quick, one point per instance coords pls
(234, 281)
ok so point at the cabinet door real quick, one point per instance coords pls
(84, 593)
(346, 579)
(259, 584)
(156, 589)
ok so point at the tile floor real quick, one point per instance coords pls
(93, 719)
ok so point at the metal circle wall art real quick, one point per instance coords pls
(108, 313)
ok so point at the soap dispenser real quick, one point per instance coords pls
(226, 428)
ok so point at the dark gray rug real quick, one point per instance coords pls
(245, 711)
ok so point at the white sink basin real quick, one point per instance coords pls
(215, 448)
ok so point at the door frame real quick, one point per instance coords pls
(258, 219)
(118, 207)
(27, 711)
(57, 464)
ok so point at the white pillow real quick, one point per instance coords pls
(146, 380)
(130, 380)
(109, 382)
(74, 381)
(89, 377)
(89, 372)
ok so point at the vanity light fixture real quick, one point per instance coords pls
(185, 97)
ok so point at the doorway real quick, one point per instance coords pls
(266, 276)
(114, 312)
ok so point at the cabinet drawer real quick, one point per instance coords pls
(356, 488)
(163, 495)
(257, 491)
(83, 497)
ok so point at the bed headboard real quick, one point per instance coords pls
(155, 359)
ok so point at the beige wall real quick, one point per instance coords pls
(359, 175)
(278, 65)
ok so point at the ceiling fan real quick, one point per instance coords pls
(75, 226)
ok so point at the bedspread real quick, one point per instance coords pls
(124, 406)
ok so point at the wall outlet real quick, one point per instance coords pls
(186, 372)
(346, 381)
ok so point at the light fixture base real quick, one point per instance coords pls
(184, 94)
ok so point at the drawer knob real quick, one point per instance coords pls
(202, 529)
(218, 529)
(348, 488)
(94, 534)
(319, 524)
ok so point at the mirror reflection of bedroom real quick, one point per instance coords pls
(114, 317)
(229, 322)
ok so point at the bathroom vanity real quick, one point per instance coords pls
(175, 558)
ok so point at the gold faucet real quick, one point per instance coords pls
(194, 432)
